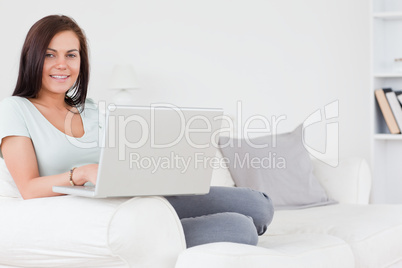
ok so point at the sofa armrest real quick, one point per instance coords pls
(68, 231)
(146, 232)
(349, 182)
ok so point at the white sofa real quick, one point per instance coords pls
(351, 233)
(145, 232)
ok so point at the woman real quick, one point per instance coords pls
(51, 90)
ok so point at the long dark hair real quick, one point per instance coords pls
(33, 55)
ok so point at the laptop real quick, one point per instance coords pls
(154, 150)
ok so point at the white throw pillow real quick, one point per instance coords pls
(7, 184)
(221, 174)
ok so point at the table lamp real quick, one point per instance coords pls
(123, 79)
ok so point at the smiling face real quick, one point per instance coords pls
(62, 63)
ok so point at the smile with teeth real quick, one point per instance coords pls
(59, 76)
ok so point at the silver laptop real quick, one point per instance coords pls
(154, 150)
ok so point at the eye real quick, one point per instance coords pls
(49, 55)
(71, 56)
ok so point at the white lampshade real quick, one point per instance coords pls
(123, 77)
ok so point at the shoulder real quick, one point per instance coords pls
(90, 103)
(12, 103)
(90, 109)
(13, 100)
(13, 117)
(89, 106)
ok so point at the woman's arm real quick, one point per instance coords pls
(20, 158)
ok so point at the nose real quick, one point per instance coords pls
(61, 63)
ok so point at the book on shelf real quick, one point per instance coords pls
(395, 107)
(398, 94)
(386, 110)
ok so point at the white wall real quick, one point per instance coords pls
(277, 57)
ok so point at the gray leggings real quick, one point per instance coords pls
(225, 214)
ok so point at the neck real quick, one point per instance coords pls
(51, 100)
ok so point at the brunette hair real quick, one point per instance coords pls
(33, 55)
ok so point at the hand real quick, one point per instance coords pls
(85, 173)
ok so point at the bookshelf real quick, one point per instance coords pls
(387, 15)
(385, 137)
(388, 75)
(386, 151)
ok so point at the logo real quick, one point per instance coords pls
(329, 117)
(151, 131)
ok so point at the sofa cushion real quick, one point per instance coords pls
(279, 251)
(374, 232)
(278, 165)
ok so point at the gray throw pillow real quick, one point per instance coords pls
(283, 169)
